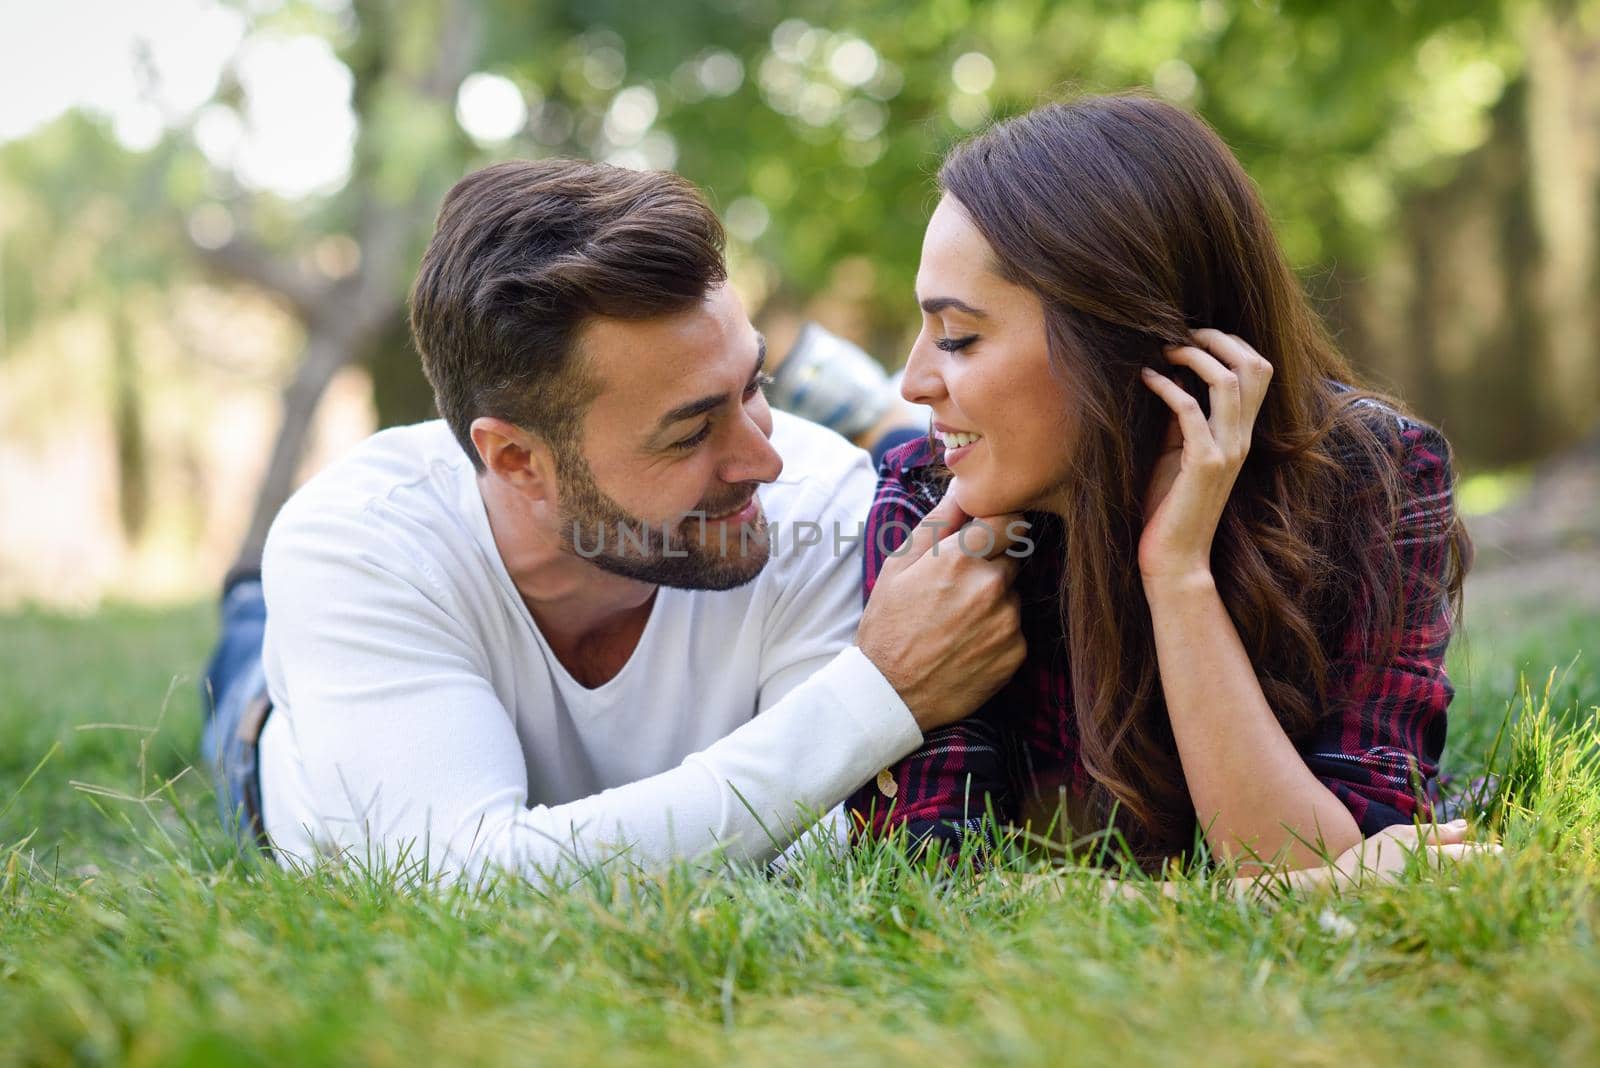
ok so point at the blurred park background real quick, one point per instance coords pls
(210, 211)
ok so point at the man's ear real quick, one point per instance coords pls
(521, 459)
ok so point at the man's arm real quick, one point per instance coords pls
(403, 743)
(407, 750)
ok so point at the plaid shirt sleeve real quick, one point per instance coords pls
(940, 790)
(1379, 750)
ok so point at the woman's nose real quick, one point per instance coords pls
(922, 383)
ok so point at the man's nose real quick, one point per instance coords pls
(754, 459)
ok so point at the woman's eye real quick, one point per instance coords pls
(954, 344)
(690, 443)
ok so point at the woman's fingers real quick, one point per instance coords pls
(1236, 376)
(1196, 431)
(1234, 351)
(1226, 395)
(1253, 369)
(1434, 833)
(1466, 850)
(1438, 841)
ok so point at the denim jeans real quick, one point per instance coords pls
(233, 695)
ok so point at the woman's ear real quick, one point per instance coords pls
(517, 457)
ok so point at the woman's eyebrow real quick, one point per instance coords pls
(935, 305)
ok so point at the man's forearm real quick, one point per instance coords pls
(745, 796)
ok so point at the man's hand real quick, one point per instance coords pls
(943, 623)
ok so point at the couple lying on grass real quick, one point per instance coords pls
(612, 603)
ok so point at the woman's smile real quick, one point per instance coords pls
(957, 443)
(982, 360)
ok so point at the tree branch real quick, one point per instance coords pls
(244, 259)
(386, 227)
(460, 38)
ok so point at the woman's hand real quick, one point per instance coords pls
(1378, 860)
(1201, 459)
(1383, 857)
(1370, 862)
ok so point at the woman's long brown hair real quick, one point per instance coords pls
(1134, 224)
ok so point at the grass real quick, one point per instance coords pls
(131, 932)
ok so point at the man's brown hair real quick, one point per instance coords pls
(524, 253)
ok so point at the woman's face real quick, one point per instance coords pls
(981, 362)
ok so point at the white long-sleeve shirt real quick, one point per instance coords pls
(419, 711)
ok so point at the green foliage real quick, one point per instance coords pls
(831, 116)
(1335, 111)
(81, 223)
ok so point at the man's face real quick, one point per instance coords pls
(675, 444)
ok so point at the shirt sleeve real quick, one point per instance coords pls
(942, 790)
(1379, 750)
(410, 759)
(816, 601)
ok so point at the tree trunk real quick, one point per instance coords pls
(325, 354)
(345, 320)
(400, 390)
(1563, 166)
(127, 416)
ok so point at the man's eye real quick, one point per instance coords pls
(954, 344)
(689, 443)
(761, 381)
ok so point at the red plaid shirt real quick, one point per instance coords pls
(1378, 750)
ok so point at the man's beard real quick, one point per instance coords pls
(703, 556)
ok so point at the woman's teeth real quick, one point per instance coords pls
(956, 441)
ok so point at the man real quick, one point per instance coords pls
(609, 603)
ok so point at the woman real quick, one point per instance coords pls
(1245, 568)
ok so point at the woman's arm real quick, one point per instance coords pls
(1253, 794)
